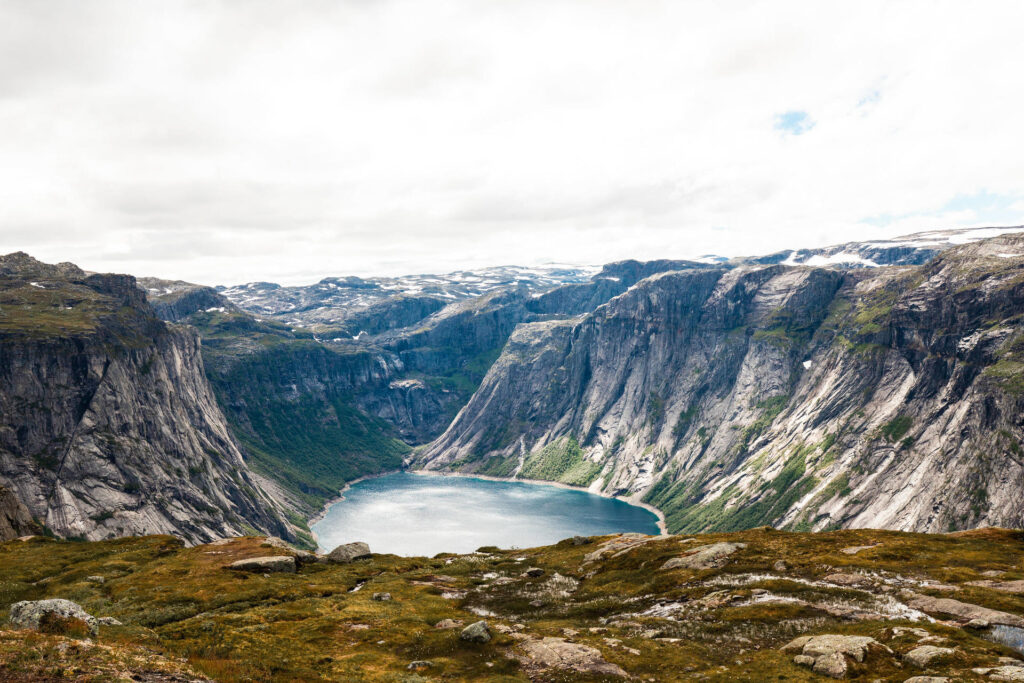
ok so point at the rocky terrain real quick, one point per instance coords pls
(756, 605)
(803, 397)
(108, 425)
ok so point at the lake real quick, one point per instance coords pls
(409, 514)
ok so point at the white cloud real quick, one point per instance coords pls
(231, 141)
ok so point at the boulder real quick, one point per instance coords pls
(534, 572)
(705, 556)
(349, 552)
(927, 679)
(448, 623)
(382, 597)
(28, 613)
(477, 632)
(829, 654)
(265, 565)
(557, 653)
(923, 656)
(419, 665)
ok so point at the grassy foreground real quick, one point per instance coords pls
(186, 617)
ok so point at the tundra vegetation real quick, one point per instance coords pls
(715, 607)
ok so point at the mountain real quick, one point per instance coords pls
(804, 397)
(352, 303)
(108, 425)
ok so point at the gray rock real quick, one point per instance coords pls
(477, 632)
(109, 621)
(780, 566)
(854, 549)
(827, 654)
(832, 664)
(964, 611)
(923, 656)
(538, 655)
(28, 613)
(448, 623)
(927, 679)
(705, 556)
(15, 519)
(382, 597)
(349, 552)
(534, 572)
(580, 540)
(96, 579)
(265, 565)
(977, 624)
(855, 580)
(123, 404)
(1001, 673)
(419, 665)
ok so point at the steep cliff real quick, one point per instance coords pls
(108, 425)
(797, 396)
(15, 519)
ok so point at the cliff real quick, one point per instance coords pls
(804, 397)
(108, 426)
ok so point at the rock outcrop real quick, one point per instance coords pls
(31, 613)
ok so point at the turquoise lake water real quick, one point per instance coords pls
(410, 514)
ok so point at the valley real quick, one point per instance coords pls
(832, 438)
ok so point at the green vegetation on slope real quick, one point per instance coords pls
(561, 461)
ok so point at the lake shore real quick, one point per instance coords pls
(338, 498)
(662, 528)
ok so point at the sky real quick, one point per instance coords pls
(229, 141)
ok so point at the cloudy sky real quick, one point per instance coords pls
(224, 142)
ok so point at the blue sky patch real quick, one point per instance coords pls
(793, 122)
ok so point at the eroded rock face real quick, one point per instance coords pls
(108, 426)
(29, 613)
(558, 653)
(15, 519)
(349, 552)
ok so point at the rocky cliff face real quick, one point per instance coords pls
(15, 519)
(796, 396)
(108, 425)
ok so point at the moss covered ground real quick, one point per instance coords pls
(186, 616)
